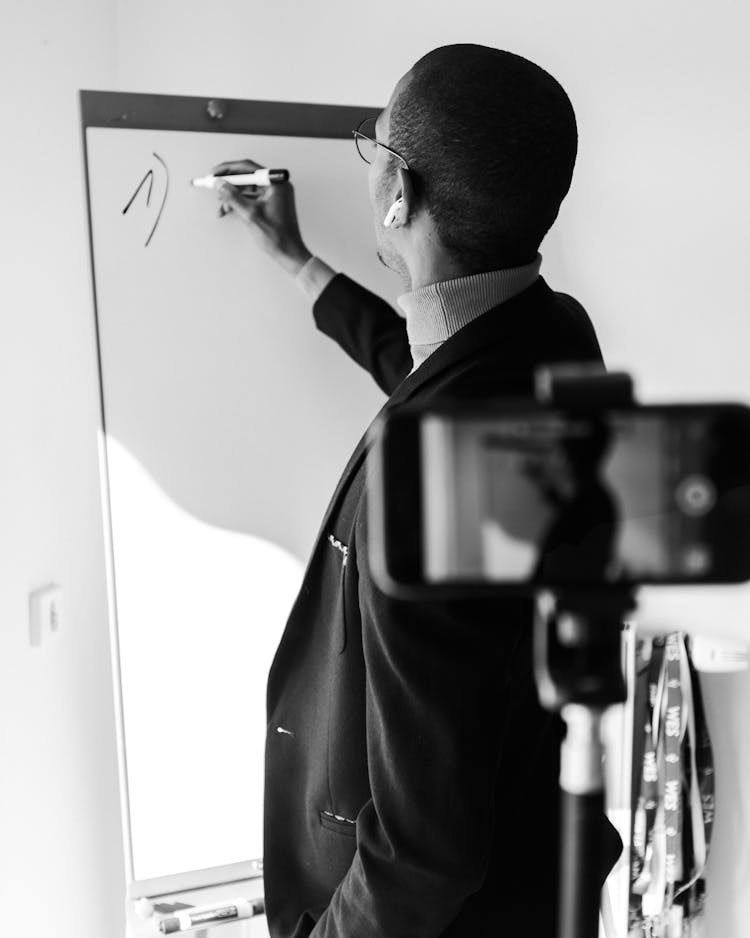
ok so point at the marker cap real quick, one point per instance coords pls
(169, 925)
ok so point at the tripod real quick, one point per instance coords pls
(579, 674)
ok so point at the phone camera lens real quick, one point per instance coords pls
(696, 495)
(696, 560)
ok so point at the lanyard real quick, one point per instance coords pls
(648, 798)
(674, 811)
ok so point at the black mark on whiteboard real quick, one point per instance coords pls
(149, 178)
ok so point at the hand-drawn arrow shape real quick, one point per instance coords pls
(149, 177)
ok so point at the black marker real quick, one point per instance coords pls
(261, 177)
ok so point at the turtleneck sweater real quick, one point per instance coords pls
(439, 310)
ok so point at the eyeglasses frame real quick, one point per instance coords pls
(358, 133)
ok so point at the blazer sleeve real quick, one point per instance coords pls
(435, 699)
(367, 329)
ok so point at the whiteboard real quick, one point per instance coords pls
(227, 418)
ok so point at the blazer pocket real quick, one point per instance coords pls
(341, 825)
(342, 610)
(343, 550)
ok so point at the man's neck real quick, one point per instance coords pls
(430, 269)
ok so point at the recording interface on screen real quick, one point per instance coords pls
(631, 496)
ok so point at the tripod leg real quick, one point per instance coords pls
(582, 792)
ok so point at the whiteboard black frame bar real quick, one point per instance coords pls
(177, 112)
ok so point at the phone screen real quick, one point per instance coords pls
(647, 495)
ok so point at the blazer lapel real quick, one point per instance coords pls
(482, 333)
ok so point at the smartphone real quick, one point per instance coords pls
(514, 497)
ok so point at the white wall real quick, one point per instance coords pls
(653, 236)
(60, 850)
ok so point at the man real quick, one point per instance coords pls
(411, 776)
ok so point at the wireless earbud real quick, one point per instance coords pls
(393, 213)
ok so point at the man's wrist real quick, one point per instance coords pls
(314, 277)
(294, 260)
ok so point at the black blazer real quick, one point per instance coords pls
(411, 775)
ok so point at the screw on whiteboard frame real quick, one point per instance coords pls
(216, 109)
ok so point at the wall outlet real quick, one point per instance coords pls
(45, 612)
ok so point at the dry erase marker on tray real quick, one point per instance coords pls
(261, 177)
(205, 915)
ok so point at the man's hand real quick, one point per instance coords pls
(269, 212)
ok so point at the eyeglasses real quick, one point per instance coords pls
(367, 145)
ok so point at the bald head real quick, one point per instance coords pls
(491, 140)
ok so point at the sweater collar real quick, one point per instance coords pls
(437, 311)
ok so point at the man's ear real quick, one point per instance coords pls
(401, 211)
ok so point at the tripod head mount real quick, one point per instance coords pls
(576, 633)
